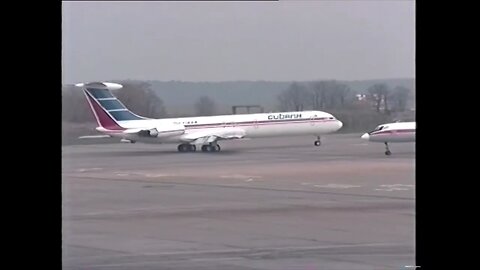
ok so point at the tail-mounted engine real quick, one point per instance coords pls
(162, 132)
(148, 133)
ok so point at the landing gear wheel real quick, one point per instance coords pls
(211, 148)
(185, 147)
(318, 142)
(387, 152)
(182, 148)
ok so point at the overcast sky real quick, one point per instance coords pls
(223, 41)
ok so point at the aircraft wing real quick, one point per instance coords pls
(214, 134)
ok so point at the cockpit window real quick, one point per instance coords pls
(377, 129)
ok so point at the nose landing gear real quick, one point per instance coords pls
(317, 142)
(387, 152)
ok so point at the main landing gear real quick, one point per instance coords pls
(317, 142)
(387, 152)
(185, 147)
(211, 148)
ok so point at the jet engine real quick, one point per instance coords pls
(163, 131)
(148, 133)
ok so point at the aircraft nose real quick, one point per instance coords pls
(365, 136)
(340, 124)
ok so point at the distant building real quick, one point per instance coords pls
(361, 97)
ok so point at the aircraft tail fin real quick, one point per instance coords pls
(106, 108)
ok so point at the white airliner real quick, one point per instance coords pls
(115, 120)
(392, 132)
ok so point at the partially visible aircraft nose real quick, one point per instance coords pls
(340, 124)
(365, 136)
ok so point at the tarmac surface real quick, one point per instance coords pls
(278, 203)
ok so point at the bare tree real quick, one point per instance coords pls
(342, 91)
(140, 99)
(74, 105)
(386, 95)
(295, 98)
(320, 89)
(329, 94)
(400, 96)
(284, 102)
(378, 93)
(205, 106)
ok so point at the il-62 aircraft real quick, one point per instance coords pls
(115, 120)
(392, 132)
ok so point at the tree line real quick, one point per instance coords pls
(328, 95)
